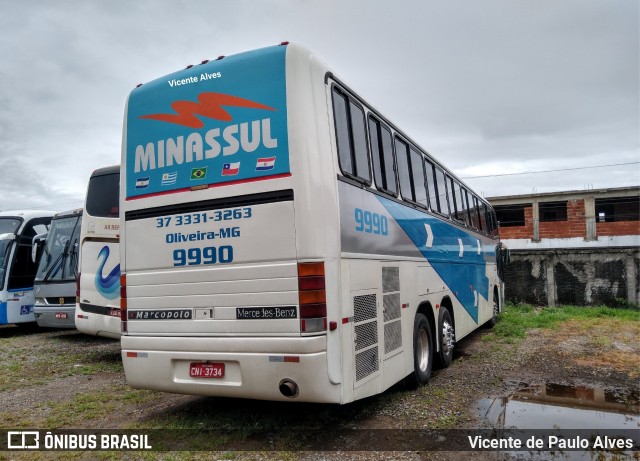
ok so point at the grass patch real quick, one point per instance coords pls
(33, 358)
(515, 320)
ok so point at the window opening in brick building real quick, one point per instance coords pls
(618, 209)
(553, 211)
(510, 215)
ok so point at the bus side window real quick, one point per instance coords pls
(452, 203)
(417, 169)
(431, 186)
(382, 156)
(457, 193)
(351, 137)
(466, 208)
(483, 217)
(478, 213)
(474, 211)
(404, 174)
(442, 192)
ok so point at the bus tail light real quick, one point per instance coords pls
(312, 297)
(78, 288)
(123, 302)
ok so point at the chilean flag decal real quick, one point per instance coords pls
(230, 169)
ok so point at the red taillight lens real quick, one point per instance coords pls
(312, 297)
(309, 269)
(78, 288)
(123, 302)
(123, 291)
(309, 311)
(311, 283)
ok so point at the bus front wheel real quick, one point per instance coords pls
(422, 352)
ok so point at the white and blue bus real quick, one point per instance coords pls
(17, 267)
(97, 309)
(282, 239)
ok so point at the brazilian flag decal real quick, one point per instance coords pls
(198, 173)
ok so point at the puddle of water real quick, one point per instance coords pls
(559, 406)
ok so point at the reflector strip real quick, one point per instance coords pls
(284, 358)
(139, 355)
(404, 306)
(347, 320)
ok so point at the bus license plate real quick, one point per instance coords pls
(206, 370)
(61, 315)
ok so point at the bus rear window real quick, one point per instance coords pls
(103, 195)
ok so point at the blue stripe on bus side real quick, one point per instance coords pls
(3, 313)
(463, 275)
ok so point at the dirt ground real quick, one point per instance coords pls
(63, 379)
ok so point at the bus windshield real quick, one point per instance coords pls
(59, 259)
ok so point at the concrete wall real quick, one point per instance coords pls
(594, 276)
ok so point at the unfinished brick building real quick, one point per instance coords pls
(574, 247)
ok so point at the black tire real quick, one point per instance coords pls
(447, 339)
(422, 352)
(496, 309)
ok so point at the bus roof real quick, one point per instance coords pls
(106, 170)
(65, 214)
(27, 214)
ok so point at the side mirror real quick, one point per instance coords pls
(505, 254)
(37, 247)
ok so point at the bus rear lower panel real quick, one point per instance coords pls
(247, 367)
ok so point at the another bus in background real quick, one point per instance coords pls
(98, 282)
(55, 283)
(17, 268)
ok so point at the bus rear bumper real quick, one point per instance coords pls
(55, 316)
(254, 368)
(97, 324)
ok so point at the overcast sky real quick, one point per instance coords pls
(489, 87)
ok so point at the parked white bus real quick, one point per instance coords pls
(17, 267)
(55, 282)
(98, 283)
(284, 240)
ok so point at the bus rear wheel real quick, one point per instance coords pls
(422, 352)
(496, 309)
(447, 338)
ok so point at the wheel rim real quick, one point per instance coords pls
(448, 337)
(423, 350)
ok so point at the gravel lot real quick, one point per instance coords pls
(63, 379)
